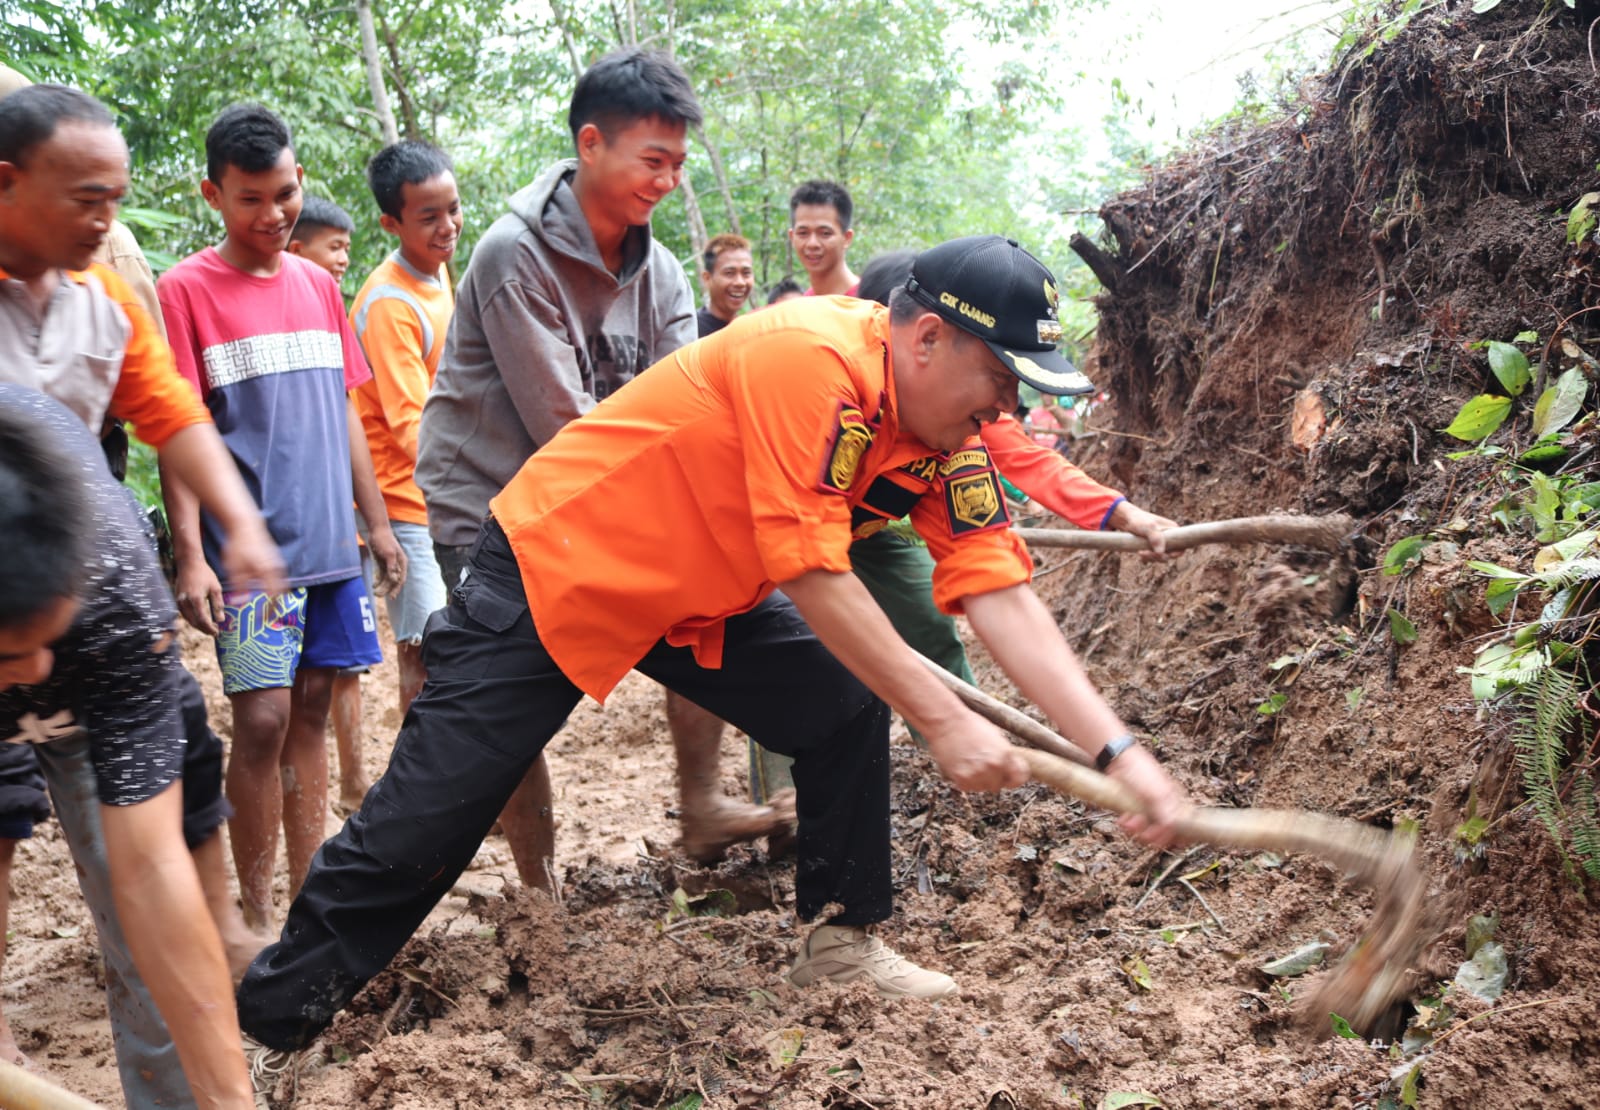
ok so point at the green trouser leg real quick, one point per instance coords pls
(899, 575)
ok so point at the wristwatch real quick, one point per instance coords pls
(1114, 747)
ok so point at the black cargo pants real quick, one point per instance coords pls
(493, 699)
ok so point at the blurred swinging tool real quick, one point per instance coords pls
(1373, 974)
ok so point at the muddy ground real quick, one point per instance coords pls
(1337, 260)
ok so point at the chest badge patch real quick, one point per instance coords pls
(851, 437)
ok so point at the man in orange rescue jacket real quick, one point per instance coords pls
(743, 463)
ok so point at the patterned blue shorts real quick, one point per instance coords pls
(264, 640)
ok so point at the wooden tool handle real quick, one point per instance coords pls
(1327, 533)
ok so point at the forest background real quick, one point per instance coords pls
(943, 117)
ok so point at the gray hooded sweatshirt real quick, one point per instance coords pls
(542, 332)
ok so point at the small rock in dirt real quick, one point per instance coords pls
(1484, 976)
(1298, 962)
(1480, 930)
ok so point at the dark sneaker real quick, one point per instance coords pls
(841, 954)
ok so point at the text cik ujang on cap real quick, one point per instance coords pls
(989, 286)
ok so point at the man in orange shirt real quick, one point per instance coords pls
(744, 462)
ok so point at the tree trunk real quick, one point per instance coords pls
(721, 174)
(408, 110)
(697, 222)
(369, 54)
(558, 10)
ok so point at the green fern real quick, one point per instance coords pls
(1583, 824)
(1539, 737)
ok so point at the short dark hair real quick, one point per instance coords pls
(247, 136)
(903, 308)
(400, 164)
(727, 241)
(30, 116)
(45, 518)
(823, 192)
(883, 274)
(318, 215)
(629, 85)
(782, 288)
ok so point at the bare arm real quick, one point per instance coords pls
(1019, 632)
(199, 591)
(391, 560)
(175, 946)
(970, 751)
(197, 457)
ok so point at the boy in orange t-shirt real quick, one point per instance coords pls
(401, 316)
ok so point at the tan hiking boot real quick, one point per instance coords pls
(842, 954)
(270, 1068)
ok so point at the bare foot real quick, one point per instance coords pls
(241, 945)
(708, 833)
(351, 795)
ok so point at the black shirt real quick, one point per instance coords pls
(709, 322)
(116, 670)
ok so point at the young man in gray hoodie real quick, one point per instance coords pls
(566, 298)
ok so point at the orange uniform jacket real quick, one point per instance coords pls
(1048, 478)
(739, 462)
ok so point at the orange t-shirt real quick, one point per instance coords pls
(401, 317)
(737, 463)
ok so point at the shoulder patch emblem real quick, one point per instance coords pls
(851, 437)
(972, 498)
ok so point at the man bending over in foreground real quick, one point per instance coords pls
(744, 462)
(89, 676)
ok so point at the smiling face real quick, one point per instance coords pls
(25, 655)
(258, 210)
(59, 204)
(729, 283)
(819, 239)
(328, 247)
(623, 178)
(949, 383)
(430, 221)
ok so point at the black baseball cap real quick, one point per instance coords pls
(989, 286)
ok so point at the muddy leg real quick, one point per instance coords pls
(530, 827)
(9, 1052)
(305, 771)
(412, 673)
(239, 942)
(260, 719)
(347, 726)
(711, 821)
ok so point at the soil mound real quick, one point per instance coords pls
(1289, 318)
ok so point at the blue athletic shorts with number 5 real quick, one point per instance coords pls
(264, 640)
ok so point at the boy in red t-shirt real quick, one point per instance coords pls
(262, 335)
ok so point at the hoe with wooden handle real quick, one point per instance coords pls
(23, 1090)
(1372, 976)
(1327, 533)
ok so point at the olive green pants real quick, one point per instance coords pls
(898, 572)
